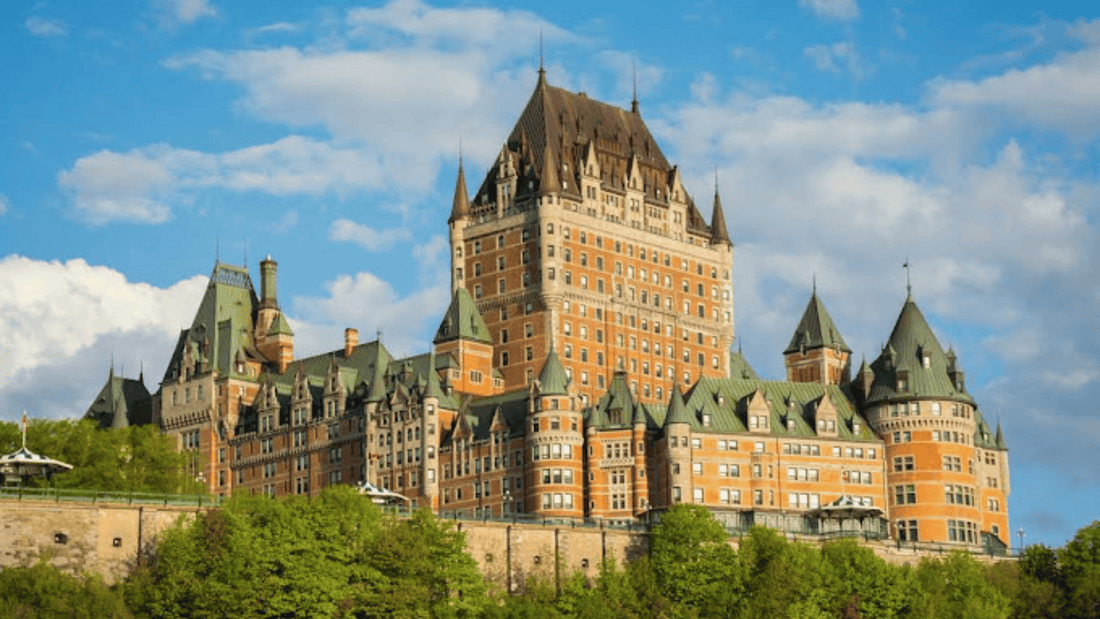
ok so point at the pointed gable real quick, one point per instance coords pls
(462, 321)
(816, 330)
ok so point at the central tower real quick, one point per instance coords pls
(582, 239)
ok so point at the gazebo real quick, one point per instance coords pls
(20, 466)
(848, 515)
(381, 496)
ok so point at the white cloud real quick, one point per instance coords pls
(840, 10)
(366, 237)
(42, 27)
(370, 304)
(178, 12)
(1062, 94)
(45, 325)
(836, 58)
(4, 204)
(143, 184)
(286, 223)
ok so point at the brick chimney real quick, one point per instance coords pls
(351, 340)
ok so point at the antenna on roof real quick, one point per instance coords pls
(217, 249)
(246, 254)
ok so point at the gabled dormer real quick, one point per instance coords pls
(758, 412)
(826, 420)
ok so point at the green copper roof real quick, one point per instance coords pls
(816, 329)
(552, 379)
(740, 368)
(616, 407)
(462, 321)
(677, 411)
(279, 326)
(901, 371)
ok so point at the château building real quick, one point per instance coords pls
(585, 369)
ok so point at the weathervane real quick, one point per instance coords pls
(908, 283)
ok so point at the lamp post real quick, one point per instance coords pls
(1020, 533)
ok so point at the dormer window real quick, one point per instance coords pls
(903, 381)
(706, 421)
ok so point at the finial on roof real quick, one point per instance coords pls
(141, 372)
(634, 100)
(542, 71)
(217, 249)
(908, 283)
(24, 428)
(815, 284)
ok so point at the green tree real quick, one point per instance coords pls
(44, 591)
(1079, 563)
(693, 564)
(859, 580)
(955, 586)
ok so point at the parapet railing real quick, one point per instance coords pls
(59, 495)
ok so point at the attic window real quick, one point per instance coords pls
(903, 381)
(927, 360)
(790, 425)
(706, 421)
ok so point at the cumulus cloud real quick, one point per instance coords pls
(142, 185)
(52, 330)
(839, 10)
(372, 305)
(1061, 94)
(366, 237)
(42, 27)
(181, 12)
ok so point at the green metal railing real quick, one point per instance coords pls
(59, 495)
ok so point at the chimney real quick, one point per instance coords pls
(268, 268)
(351, 340)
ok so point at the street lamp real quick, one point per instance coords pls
(1020, 533)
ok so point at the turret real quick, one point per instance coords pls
(459, 219)
(817, 353)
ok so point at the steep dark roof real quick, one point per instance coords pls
(677, 411)
(718, 231)
(460, 207)
(617, 407)
(816, 329)
(462, 321)
(121, 402)
(911, 340)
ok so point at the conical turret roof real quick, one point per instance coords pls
(911, 342)
(460, 207)
(677, 411)
(718, 231)
(552, 379)
(816, 329)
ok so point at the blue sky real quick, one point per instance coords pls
(140, 139)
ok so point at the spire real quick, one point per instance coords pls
(1000, 437)
(552, 379)
(542, 71)
(634, 100)
(718, 232)
(677, 411)
(460, 208)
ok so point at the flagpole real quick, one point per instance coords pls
(24, 428)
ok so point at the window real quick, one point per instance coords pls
(903, 463)
(905, 494)
(697, 495)
(696, 468)
(907, 531)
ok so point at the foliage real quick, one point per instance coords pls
(132, 459)
(334, 555)
(44, 591)
(693, 564)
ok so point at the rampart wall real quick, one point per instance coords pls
(106, 538)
